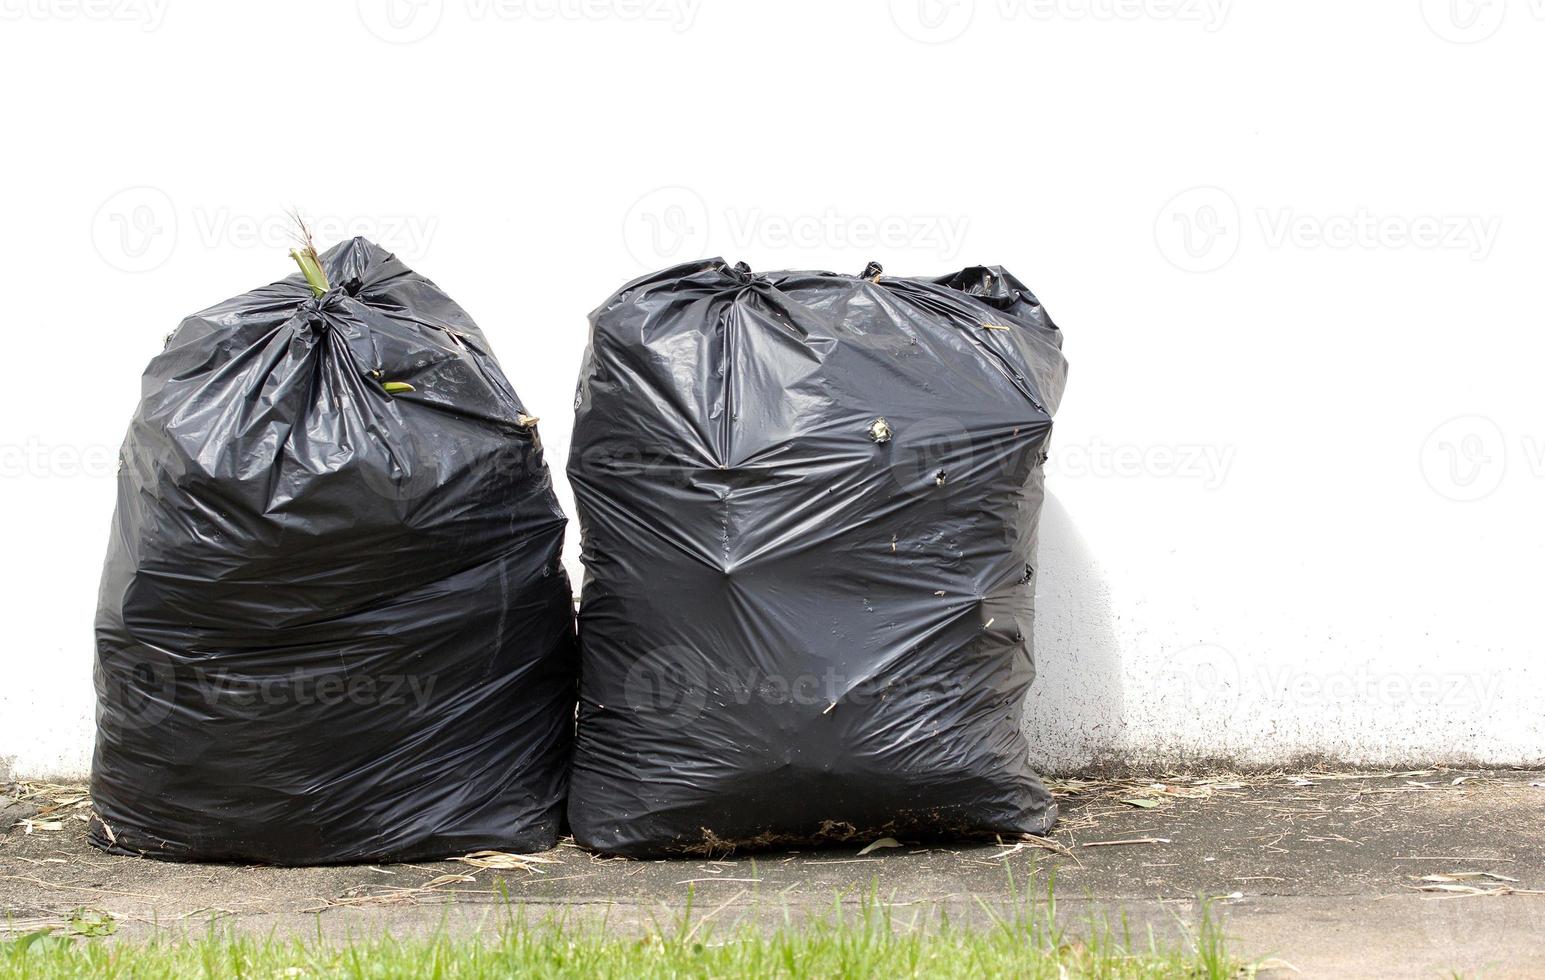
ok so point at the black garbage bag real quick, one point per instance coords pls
(333, 625)
(808, 506)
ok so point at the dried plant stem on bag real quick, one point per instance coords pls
(306, 257)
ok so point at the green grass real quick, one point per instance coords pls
(872, 941)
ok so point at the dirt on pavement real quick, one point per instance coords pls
(1411, 873)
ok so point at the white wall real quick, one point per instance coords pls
(1298, 473)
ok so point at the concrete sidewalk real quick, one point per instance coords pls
(1338, 874)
